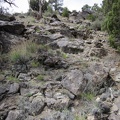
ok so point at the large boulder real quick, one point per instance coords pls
(74, 46)
(14, 88)
(97, 77)
(115, 74)
(12, 27)
(74, 81)
(51, 60)
(98, 52)
(58, 102)
(15, 115)
(37, 105)
(115, 110)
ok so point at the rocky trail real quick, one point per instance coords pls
(73, 75)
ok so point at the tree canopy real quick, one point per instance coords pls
(56, 4)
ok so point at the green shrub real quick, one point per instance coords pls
(112, 21)
(97, 25)
(31, 47)
(23, 51)
(111, 41)
(65, 12)
(40, 77)
(87, 96)
(91, 17)
(79, 117)
(17, 54)
(35, 64)
(13, 79)
(48, 12)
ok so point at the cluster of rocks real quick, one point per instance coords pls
(54, 89)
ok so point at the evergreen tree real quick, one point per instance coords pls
(86, 8)
(65, 12)
(56, 4)
(112, 21)
(34, 4)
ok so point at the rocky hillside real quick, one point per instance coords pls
(57, 69)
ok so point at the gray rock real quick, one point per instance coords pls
(30, 118)
(105, 107)
(15, 115)
(7, 39)
(3, 114)
(14, 88)
(96, 76)
(115, 110)
(37, 105)
(115, 74)
(56, 115)
(12, 27)
(56, 23)
(68, 46)
(113, 116)
(98, 44)
(73, 82)
(24, 77)
(6, 17)
(104, 96)
(25, 91)
(58, 102)
(3, 92)
(98, 52)
(56, 36)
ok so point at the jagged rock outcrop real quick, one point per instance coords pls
(12, 27)
(72, 74)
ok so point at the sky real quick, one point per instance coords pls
(70, 4)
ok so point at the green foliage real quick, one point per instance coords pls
(31, 47)
(35, 64)
(96, 25)
(79, 117)
(13, 79)
(23, 51)
(49, 11)
(96, 8)
(65, 12)
(40, 77)
(91, 17)
(64, 55)
(29, 95)
(107, 6)
(34, 4)
(56, 4)
(111, 40)
(87, 96)
(86, 8)
(112, 20)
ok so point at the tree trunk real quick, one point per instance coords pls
(40, 9)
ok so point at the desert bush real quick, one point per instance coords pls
(23, 51)
(35, 63)
(12, 79)
(91, 17)
(65, 12)
(96, 25)
(48, 12)
(40, 77)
